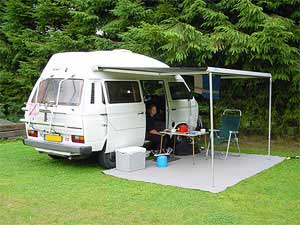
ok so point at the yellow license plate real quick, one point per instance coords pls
(54, 138)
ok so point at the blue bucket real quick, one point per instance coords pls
(162, 161)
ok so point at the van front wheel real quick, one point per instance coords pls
(107, 160)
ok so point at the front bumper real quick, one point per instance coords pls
(60, 148)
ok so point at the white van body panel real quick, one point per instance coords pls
(117, 125)
(126, 125)
(94, 117)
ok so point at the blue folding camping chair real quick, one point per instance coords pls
(229, 129)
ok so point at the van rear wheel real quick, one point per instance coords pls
(107, 160)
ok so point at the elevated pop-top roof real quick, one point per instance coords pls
(83, 62)
(224, 73)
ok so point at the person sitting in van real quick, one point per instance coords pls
(158, 102)
(153, 127)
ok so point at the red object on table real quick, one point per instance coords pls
(182, 128)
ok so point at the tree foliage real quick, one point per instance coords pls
(260, 35)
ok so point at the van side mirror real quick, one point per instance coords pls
(191, 95)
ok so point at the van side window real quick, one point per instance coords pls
(92, 93)
(179, 90)
(123, 91)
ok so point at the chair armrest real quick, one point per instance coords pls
(215, 130)
(233, 132)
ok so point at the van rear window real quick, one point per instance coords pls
(179, 90)
(70, 91)
(123, 91)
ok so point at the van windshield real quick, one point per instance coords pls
(70, 91)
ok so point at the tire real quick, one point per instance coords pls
(107, 160)
(56, 157)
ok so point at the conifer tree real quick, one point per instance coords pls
(261, 35)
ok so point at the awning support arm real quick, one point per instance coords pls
(212, 129)
(270, 115)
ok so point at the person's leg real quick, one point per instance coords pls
(155, 139)
(167, 142)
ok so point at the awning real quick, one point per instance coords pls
(193, 71)
(171, 71)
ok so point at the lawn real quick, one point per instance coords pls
(35, 189)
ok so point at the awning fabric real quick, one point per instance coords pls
(224, 73)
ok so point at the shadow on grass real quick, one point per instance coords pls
(87, 163)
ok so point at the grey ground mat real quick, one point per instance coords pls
(182, 173)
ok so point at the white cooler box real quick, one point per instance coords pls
(130, 158)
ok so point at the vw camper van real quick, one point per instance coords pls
(76, 108)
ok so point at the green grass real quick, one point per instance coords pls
(35, 189)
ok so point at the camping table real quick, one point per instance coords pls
(191, 134)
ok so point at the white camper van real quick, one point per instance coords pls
(76, 108)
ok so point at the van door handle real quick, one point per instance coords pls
(174, 109)
(140, 113)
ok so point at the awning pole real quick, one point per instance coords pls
(211, 129)
(270, 115)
